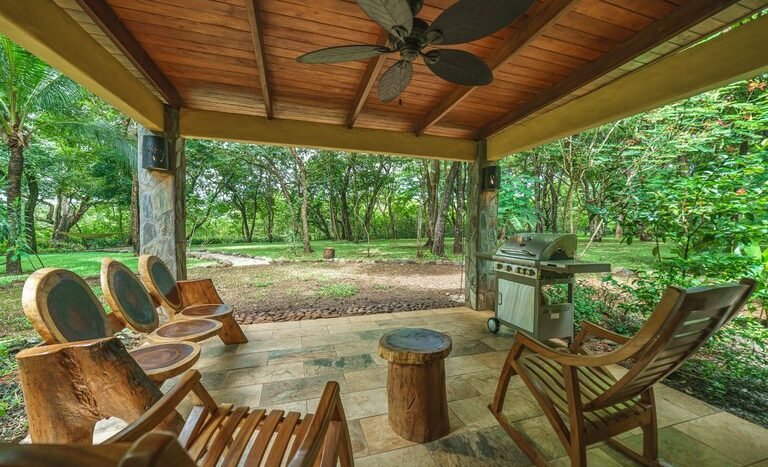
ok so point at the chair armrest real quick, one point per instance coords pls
(159, 411)
(609, 358)
(313, 441)
(198, 292)
(588, 328)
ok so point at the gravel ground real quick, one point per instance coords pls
(296, 291)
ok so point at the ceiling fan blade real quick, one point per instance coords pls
(395, 80)
(344, 53)
(459, 67)
(393, 15)
(469, 20)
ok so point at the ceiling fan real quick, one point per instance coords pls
(465, 21)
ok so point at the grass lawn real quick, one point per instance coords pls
(88, 264)
(379, 249)
(85, 263)
(635, 256)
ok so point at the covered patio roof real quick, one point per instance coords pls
(565, 66)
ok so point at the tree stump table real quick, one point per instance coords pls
(418, 404)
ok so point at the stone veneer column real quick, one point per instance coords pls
(162, 201)
(480, 284)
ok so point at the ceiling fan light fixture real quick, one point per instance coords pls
(463, 22)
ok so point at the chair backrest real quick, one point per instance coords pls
(160, 283)
(681, 323)
(62, 308)
(127, 296)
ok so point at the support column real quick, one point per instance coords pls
(480, 284)
(162, 201)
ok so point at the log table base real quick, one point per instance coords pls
(418, 405)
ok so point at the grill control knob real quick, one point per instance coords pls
(509, 268)
(499, 266)
(518, 269)
(531, 272)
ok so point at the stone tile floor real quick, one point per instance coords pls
(285, 365)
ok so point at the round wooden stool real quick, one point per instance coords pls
(418, 405)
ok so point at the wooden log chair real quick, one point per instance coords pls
(62, 309)
(582, 399)
(134, 307)
(79, 394)
(189, 298)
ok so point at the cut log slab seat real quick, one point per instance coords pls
(62, 308)
(190, 299)
(418, 404)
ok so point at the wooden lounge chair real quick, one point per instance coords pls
(62, 308)
(134, 308)
(86, 382)
(585, 403)
(188, 299)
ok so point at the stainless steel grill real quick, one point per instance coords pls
(528, 263)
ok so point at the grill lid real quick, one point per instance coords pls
(538, 246)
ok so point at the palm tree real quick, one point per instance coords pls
(28, 89)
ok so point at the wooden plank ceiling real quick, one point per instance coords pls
(238, 56)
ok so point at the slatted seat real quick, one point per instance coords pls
(63, 309)
(585, 403)
(226, 435)
(188, 299)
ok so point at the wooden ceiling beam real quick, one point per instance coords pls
(528, 30)
(676, 22)
(257, 31)
(104, 17)
(203, 124)
(366, 83)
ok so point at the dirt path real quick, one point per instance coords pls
(229, 260)
(294, 291)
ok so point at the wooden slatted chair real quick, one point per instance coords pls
(157, 449)
(224, 435)
(84, 382)
(62, 308)
(585, 403)
(134, 307)
(189, 298)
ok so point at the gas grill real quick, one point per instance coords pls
(526, 265)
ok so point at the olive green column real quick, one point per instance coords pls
(480, 283)
(162, 209)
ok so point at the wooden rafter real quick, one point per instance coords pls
(679, 20)
(366, 83)
(103, 15)
(258, 46)
(528, 30)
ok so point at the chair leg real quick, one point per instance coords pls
(346, 455)
(651, 441)
(231, 332)
(578, 454)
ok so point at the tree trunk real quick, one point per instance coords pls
(67, 216)
(270, 203)
(392, 220)
(304, 184)
(438, 238)
(33, 189)
(135, 215)
(346, 218)
(432, 181)
(15, 172)
(458, 226)
(595, 228)
(331, 198)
